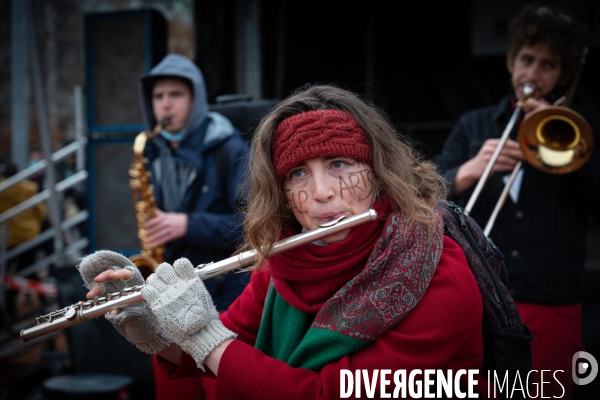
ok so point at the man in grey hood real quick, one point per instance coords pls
(197, 163)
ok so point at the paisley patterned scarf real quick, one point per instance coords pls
(329, 301)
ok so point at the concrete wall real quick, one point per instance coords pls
(59, 28)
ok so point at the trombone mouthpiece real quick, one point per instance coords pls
(528, 89)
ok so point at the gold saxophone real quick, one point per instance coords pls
(144, 202)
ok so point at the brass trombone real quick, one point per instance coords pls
(554, 139)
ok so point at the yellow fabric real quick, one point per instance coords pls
(27, 224)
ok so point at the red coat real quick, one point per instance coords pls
(442, 332)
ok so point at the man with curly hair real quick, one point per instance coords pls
(542, 226)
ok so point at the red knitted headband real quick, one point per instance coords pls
(321, 133)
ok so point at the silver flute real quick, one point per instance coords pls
(85, 311)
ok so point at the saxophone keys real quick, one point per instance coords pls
(136, 185)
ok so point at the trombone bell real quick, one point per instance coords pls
(556, 140)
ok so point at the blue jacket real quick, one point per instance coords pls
(210, 201)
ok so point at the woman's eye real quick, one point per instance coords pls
(296, 174)
(338, 164)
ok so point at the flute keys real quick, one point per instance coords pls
(71, 313)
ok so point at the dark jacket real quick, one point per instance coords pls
(210, 200)
(543, 235)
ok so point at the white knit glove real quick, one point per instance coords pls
(135, 322)
(185, 309)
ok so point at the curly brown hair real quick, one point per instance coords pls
(402, 173)
(549, 26)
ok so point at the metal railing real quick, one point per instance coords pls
(71, 245)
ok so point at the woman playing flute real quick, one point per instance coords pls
(393, 294)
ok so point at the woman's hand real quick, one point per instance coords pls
(185, 309)
(108, 275)
(109, 272)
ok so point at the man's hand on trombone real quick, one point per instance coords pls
(532, 104)
(470, 172)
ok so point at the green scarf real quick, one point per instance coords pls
(393, 281)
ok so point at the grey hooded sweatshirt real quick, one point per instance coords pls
(201, 178)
